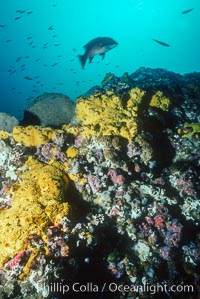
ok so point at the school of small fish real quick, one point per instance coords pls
(37, 83)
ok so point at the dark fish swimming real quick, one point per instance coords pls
(187, 11)
(51, 27)
(161, 43)
(99, 45)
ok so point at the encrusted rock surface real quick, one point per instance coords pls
(50, 109)
(110, 199)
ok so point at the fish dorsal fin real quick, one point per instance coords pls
(103, 55)
(90, 59)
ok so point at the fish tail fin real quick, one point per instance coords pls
(82, 59)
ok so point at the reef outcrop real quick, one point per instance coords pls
(49, 109)
(7, 122)
(111, 198)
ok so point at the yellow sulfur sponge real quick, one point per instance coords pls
(108, 114)
(33, 135)
(37, 203)
(158, 100)
(4, 134)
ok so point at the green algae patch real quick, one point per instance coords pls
(190, 130)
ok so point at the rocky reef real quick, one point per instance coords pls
(7, 122)
(106, 206)
(49, 109)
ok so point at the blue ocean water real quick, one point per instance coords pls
(40, 39)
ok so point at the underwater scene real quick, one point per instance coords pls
(99, 149)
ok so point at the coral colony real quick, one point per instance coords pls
(114, 192)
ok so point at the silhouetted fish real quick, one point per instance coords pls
(187, 11)
(28, 78)
(99, 45)
(51, 27)
(17, 18)
(2, 26)
(29, 12)
(161, 43)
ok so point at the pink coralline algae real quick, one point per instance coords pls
(165, 252)
(115, 211)
(116, 179)
(144, 230)
(164, 226)
(94, 183)
(59, 139)
(6, 204)
(185, 184)
(172, 233)
(46, 152)
(159, 181)
(57, 242)
(133, 150)
(117, 269)
(15, 262)
(160, 221)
